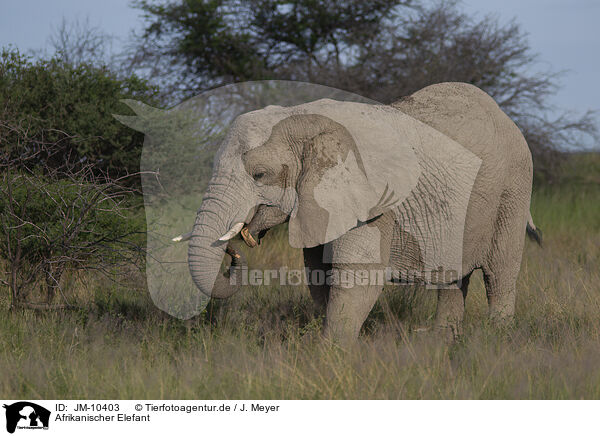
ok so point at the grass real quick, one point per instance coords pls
(265, 343)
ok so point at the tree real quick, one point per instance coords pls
(381, 49)
(77, 42)
(208, 43)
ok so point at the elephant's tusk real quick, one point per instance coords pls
(184, 237)
(232, 232)
(248, 239)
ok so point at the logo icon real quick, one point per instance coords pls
(26, 415)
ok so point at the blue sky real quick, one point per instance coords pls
(565, 33)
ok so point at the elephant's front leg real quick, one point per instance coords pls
(317, 270)
(359, 259)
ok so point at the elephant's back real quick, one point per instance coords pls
(471, 117)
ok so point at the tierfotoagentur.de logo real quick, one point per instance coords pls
(26, 415)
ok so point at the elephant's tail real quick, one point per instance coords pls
(533, 232)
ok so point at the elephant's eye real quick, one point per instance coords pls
(258, 175)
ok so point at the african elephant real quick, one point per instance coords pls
(441, 178)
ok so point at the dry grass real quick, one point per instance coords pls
(265, 343)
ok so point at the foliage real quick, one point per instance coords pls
(223, 41)
(42, 231)
(52, 224)
(59, 214)
(57, 101)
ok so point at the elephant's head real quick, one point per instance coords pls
(292, 174)
(277, 165)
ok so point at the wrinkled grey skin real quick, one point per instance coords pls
(494, 229)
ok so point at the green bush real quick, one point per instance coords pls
(53, 225)
(52, 210)
(50, 101)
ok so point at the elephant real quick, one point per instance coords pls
(441, 178)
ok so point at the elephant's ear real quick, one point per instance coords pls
(335, 192)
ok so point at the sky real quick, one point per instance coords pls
(565, 33)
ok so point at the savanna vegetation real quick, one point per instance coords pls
(265, 342)
(72, 225)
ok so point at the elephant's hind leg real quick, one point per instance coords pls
(502, 267)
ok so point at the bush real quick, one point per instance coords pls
(54, 224)
(53, 101)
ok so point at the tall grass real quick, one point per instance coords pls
(265, 342)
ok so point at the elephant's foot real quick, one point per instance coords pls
(450, 332)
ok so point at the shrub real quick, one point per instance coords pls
(53, 224)
(57, 101)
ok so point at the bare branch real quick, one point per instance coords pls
(60, 215)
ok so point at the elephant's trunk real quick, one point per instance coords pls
(205, 251)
